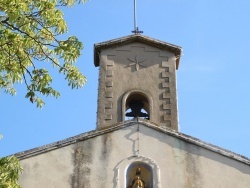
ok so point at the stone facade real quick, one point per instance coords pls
(121, 153)
(139, 66)
(101, 159)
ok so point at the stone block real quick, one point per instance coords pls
(108, 105)
(167, 100)
(165, 106)
(165, 85)
(165, 74)
(109, 94)
(168, 111)
(164, 64)
(165, 95)
(110, 63)
(109, 83)
(108, 116)
(109, 73)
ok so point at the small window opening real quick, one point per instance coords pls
(137, 105)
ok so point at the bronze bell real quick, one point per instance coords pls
(136, 107)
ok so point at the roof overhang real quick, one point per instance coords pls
(136, 38)
(121, 125)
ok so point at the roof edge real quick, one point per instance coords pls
(203, 144)
(133, 38)
(94, 133)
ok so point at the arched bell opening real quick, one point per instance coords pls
(139, 174)
(136, 104)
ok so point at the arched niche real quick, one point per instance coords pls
(139, 174)
(138, 97)
(127, 166)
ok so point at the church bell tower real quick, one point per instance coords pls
(137, 78)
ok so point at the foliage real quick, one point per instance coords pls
(9, 171)
(30, 33)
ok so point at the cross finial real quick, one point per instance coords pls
(136, 29)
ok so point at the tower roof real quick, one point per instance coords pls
(136, 38)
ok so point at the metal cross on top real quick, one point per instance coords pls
(136, 29)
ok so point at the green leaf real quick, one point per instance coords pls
(9, 171)
(32, 31)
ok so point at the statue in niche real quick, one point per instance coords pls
(137, 181)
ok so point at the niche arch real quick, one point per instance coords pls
(139, 173)
(125, 165)
(139, 96)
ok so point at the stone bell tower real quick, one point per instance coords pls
(137, 78)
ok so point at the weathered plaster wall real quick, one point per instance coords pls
(48, 170)
(101, 162)
(187, 165)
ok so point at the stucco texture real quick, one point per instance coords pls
(139, 67)
(101, 161)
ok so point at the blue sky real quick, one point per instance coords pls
(213, 76)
